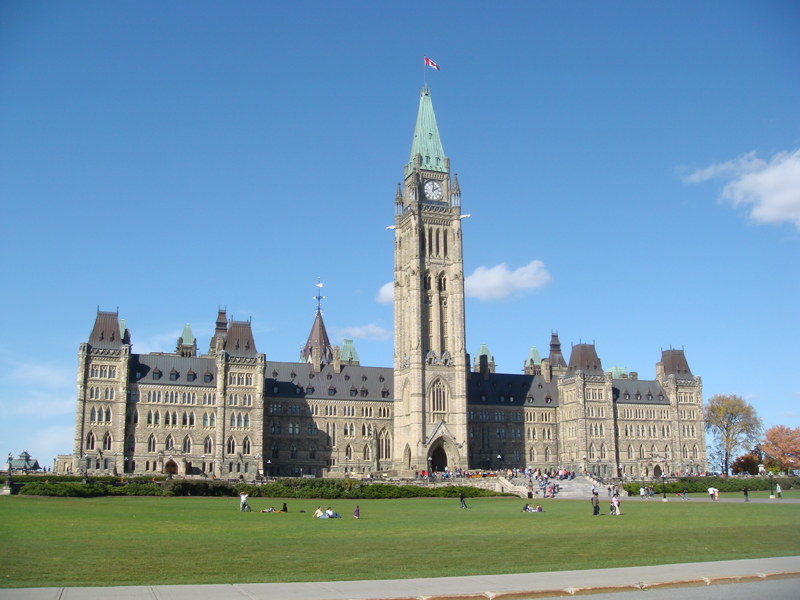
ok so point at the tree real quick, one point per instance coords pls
(734, 423)
(746, 463)
(782, 444)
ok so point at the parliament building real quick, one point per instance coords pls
(231, 413)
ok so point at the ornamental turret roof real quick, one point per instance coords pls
(318, 336)
(427, 142)
(106, 331)
(533, 357)
(188, 338)
(349, 351)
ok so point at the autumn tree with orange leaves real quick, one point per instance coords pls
(734, 424)
(782, 444)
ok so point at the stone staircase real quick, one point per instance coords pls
(579, 488)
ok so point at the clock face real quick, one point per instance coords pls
(433, 191)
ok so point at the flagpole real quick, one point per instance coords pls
(424, 75)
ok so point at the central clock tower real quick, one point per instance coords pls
(430, 362)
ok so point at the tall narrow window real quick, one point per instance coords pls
(151, 443)
(90, 441)
(207, 447)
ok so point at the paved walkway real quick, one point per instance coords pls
(492, 587)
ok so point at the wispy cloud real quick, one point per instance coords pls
(386, 293)
(160, 342)
(789, 415)
(366, 332)
(771, 189)
(499, 282)
(42, 375)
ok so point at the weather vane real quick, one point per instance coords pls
(319, 297)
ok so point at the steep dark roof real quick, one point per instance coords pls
(499, 388)
(675, 364)
(143, 365)
(319, 336)
(288, 376)
(220, 330)
(556, 358)
(239, 340)
(584, 358)
(638, 391)
(105, 334)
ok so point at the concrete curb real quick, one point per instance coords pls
(521, 586)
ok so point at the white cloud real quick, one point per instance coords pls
(771, 189)
(50, 441)
(386, 293)
(43, 404)
(162, 342)
(367, 332)
(499, 282)
(789, 415)
(49, 376)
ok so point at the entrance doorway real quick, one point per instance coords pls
(438, 459)
(657, 471)
(171, 468)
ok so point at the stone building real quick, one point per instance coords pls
(232, 413)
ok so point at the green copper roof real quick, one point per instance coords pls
(484, 351)
(427, 142)
(122, 328)
(533, 356)
(617, 372)
(188, 338)
(348, 351)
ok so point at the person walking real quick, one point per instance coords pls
(462, 497)
(357, 513)
(642, 493)
(778, 489)
(615, 503)
(685, 493)
(595, 504)
(746, 498)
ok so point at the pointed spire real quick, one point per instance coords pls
(220, 331)
(318, 336)
(556, 358)
(533, 357)
(456, 188)
(187, 336)
(427, 142)
(398, 198)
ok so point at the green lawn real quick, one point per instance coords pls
(147, 540)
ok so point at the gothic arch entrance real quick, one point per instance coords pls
(657, 471)
(438, 459)
(171, 468)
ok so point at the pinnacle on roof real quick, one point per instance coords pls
(188, 338)
(556, 358)
(618, 372)
(456, 188)
(106, 331)
(318, 336)
(349, 353)
(533, 357)
(427, 142)
(219, 332)
(484, 351)
(398, 198)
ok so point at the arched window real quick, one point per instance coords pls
(107, 441)
(591, 451)
(367, 453)
(130, 446)
(384, 445)
(231, 445)
(247, 422)
(174, 418)
(516, 454)
(695, 453)
(90, 441)
(151, 443)
(348, 452)
(169, 443)
(246, 446)
(630, 452)
(667, 451)
(653, 452)
(312, 453)
(641, 452)
(108, 415)
(211, 420)
(275, 451)
(532, 454)
(233, 420)
(602, 451)
(239, 420)
(92, 415)
(547, 455)
(293, 451)
(156, 418)
(205, 419)
(439, 396)
(207, 446)
(187, 444)
(185, 419)
(363, 430)
(167, 418)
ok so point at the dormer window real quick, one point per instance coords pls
(385, 394)
(207, 377)
(274, 373)
(330, 376)
(353, 392)
(138, 375)
(381, 379)
(347, 377)
(293, 375)
(331, 391)
(191, 376)
(275, 389)
(309, 390)
(530, 399)
(548, 399)
(298, 390)
(173, 375)
(157, 374)
(363, 378)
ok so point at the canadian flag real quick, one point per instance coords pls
(430, 63)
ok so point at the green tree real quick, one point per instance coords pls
(734, 423)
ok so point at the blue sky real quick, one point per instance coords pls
(632, 171)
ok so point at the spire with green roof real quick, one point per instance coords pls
(427, 142)
(349, 354)
(187, 345)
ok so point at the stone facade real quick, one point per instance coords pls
(231, 413)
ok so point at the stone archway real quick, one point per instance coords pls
(657, 471)
(171, 468)
(438, 459)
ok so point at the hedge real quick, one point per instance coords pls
(327, 489)
(59, 478)
(696, 485)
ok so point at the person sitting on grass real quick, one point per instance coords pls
(357, 513)
(284, 509)
(332, 515)
(538, 508)
(268, 510)
(527, 508)
(318, 513)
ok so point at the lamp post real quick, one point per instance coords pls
(598, 468)
(85, 468)
(664, 485)
(55, 458)
(771, 493)
(8, 470)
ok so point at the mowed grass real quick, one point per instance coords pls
(138, 541)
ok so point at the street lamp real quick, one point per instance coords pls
(8, 470)
(771, 493)
(664, 485)
(55, 458)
